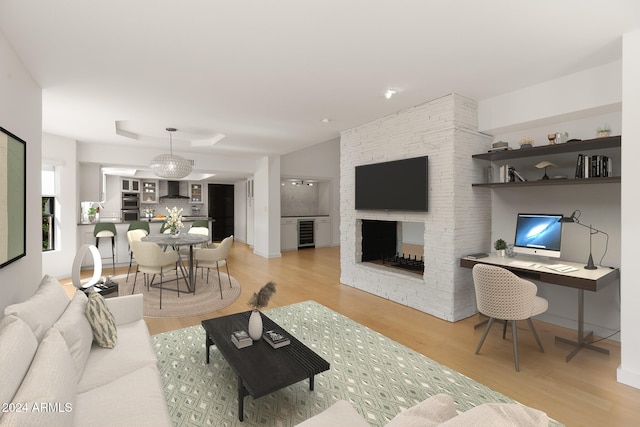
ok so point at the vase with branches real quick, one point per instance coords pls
(258, 301)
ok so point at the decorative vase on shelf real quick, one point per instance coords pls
(255, 325)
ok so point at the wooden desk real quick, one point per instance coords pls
(582, 280)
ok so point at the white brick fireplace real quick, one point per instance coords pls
(459, 217)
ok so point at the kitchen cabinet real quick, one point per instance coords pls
(288, 234)
(130, 185)
(323, 232)
(150, 191)
(195, 192)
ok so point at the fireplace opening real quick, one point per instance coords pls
(383, 244)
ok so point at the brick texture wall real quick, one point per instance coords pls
(459, 217)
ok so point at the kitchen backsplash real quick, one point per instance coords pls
(299, 200)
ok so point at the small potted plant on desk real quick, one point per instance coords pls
(500, 246)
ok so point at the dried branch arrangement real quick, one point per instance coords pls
(261, 298)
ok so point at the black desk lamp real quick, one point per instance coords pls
(574, 218)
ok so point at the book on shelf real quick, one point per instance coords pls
(594, 166)
(510, 174)
(276, 338)
(478, 255)
(241, 339)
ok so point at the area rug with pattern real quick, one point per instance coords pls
(377, 375)
(206, 298)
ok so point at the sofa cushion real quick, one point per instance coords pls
(136, 399)
(499, 415)
(132, 352)
(102, 322)
(18, 345)
(430, 412)
(47, 394)
(42, 310)
(340, 413)
(76, 331)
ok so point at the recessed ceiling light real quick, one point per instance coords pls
(325, 120)
(389, 93)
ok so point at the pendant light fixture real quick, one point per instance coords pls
(170, 165)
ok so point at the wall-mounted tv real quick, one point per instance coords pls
(399, 185)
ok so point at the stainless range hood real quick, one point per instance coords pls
(173, 191)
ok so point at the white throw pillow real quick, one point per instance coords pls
(42, 310)
(340, 413)
(102, 322)
(428, 413)
(48, 393)
(499, 415)
(76, 331)
(18, 345)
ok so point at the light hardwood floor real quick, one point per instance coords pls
(583, 392)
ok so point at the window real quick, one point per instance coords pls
(48, 207)
(48, 221)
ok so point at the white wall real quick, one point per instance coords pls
(21, 114)
(590, 92)
(629, 371)
(267, 207)
(61, 152)
(240, 211)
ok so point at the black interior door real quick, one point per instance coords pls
(221, 210)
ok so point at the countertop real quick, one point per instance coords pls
(151, 220)
(304, 216)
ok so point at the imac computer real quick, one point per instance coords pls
(538, 234)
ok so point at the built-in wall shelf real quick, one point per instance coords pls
(610, 142)
(562, 181)
(550, 149)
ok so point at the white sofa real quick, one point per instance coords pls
(438, 410)
(53, 374)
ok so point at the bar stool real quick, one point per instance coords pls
(107, 229)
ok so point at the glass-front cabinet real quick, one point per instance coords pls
(150, 191)
(130, 185)
(195, 192)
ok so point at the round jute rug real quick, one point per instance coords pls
(205, 300)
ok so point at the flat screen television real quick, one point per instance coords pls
(399, 185)
(538, 234)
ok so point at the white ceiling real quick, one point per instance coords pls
(265, 73)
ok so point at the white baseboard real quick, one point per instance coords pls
(629, 378)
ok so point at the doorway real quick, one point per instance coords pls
(221, 199)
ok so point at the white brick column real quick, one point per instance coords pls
(459, 217)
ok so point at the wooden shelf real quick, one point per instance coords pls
(544, 182)
(547, 150)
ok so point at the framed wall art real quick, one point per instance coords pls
(13, 198)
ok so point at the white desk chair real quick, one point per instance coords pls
(502, 295)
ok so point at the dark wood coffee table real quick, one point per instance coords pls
(260, 368)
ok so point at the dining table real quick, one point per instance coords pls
(176, 241)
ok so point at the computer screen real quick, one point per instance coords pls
(538, 234)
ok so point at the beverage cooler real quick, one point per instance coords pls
(305, 233)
